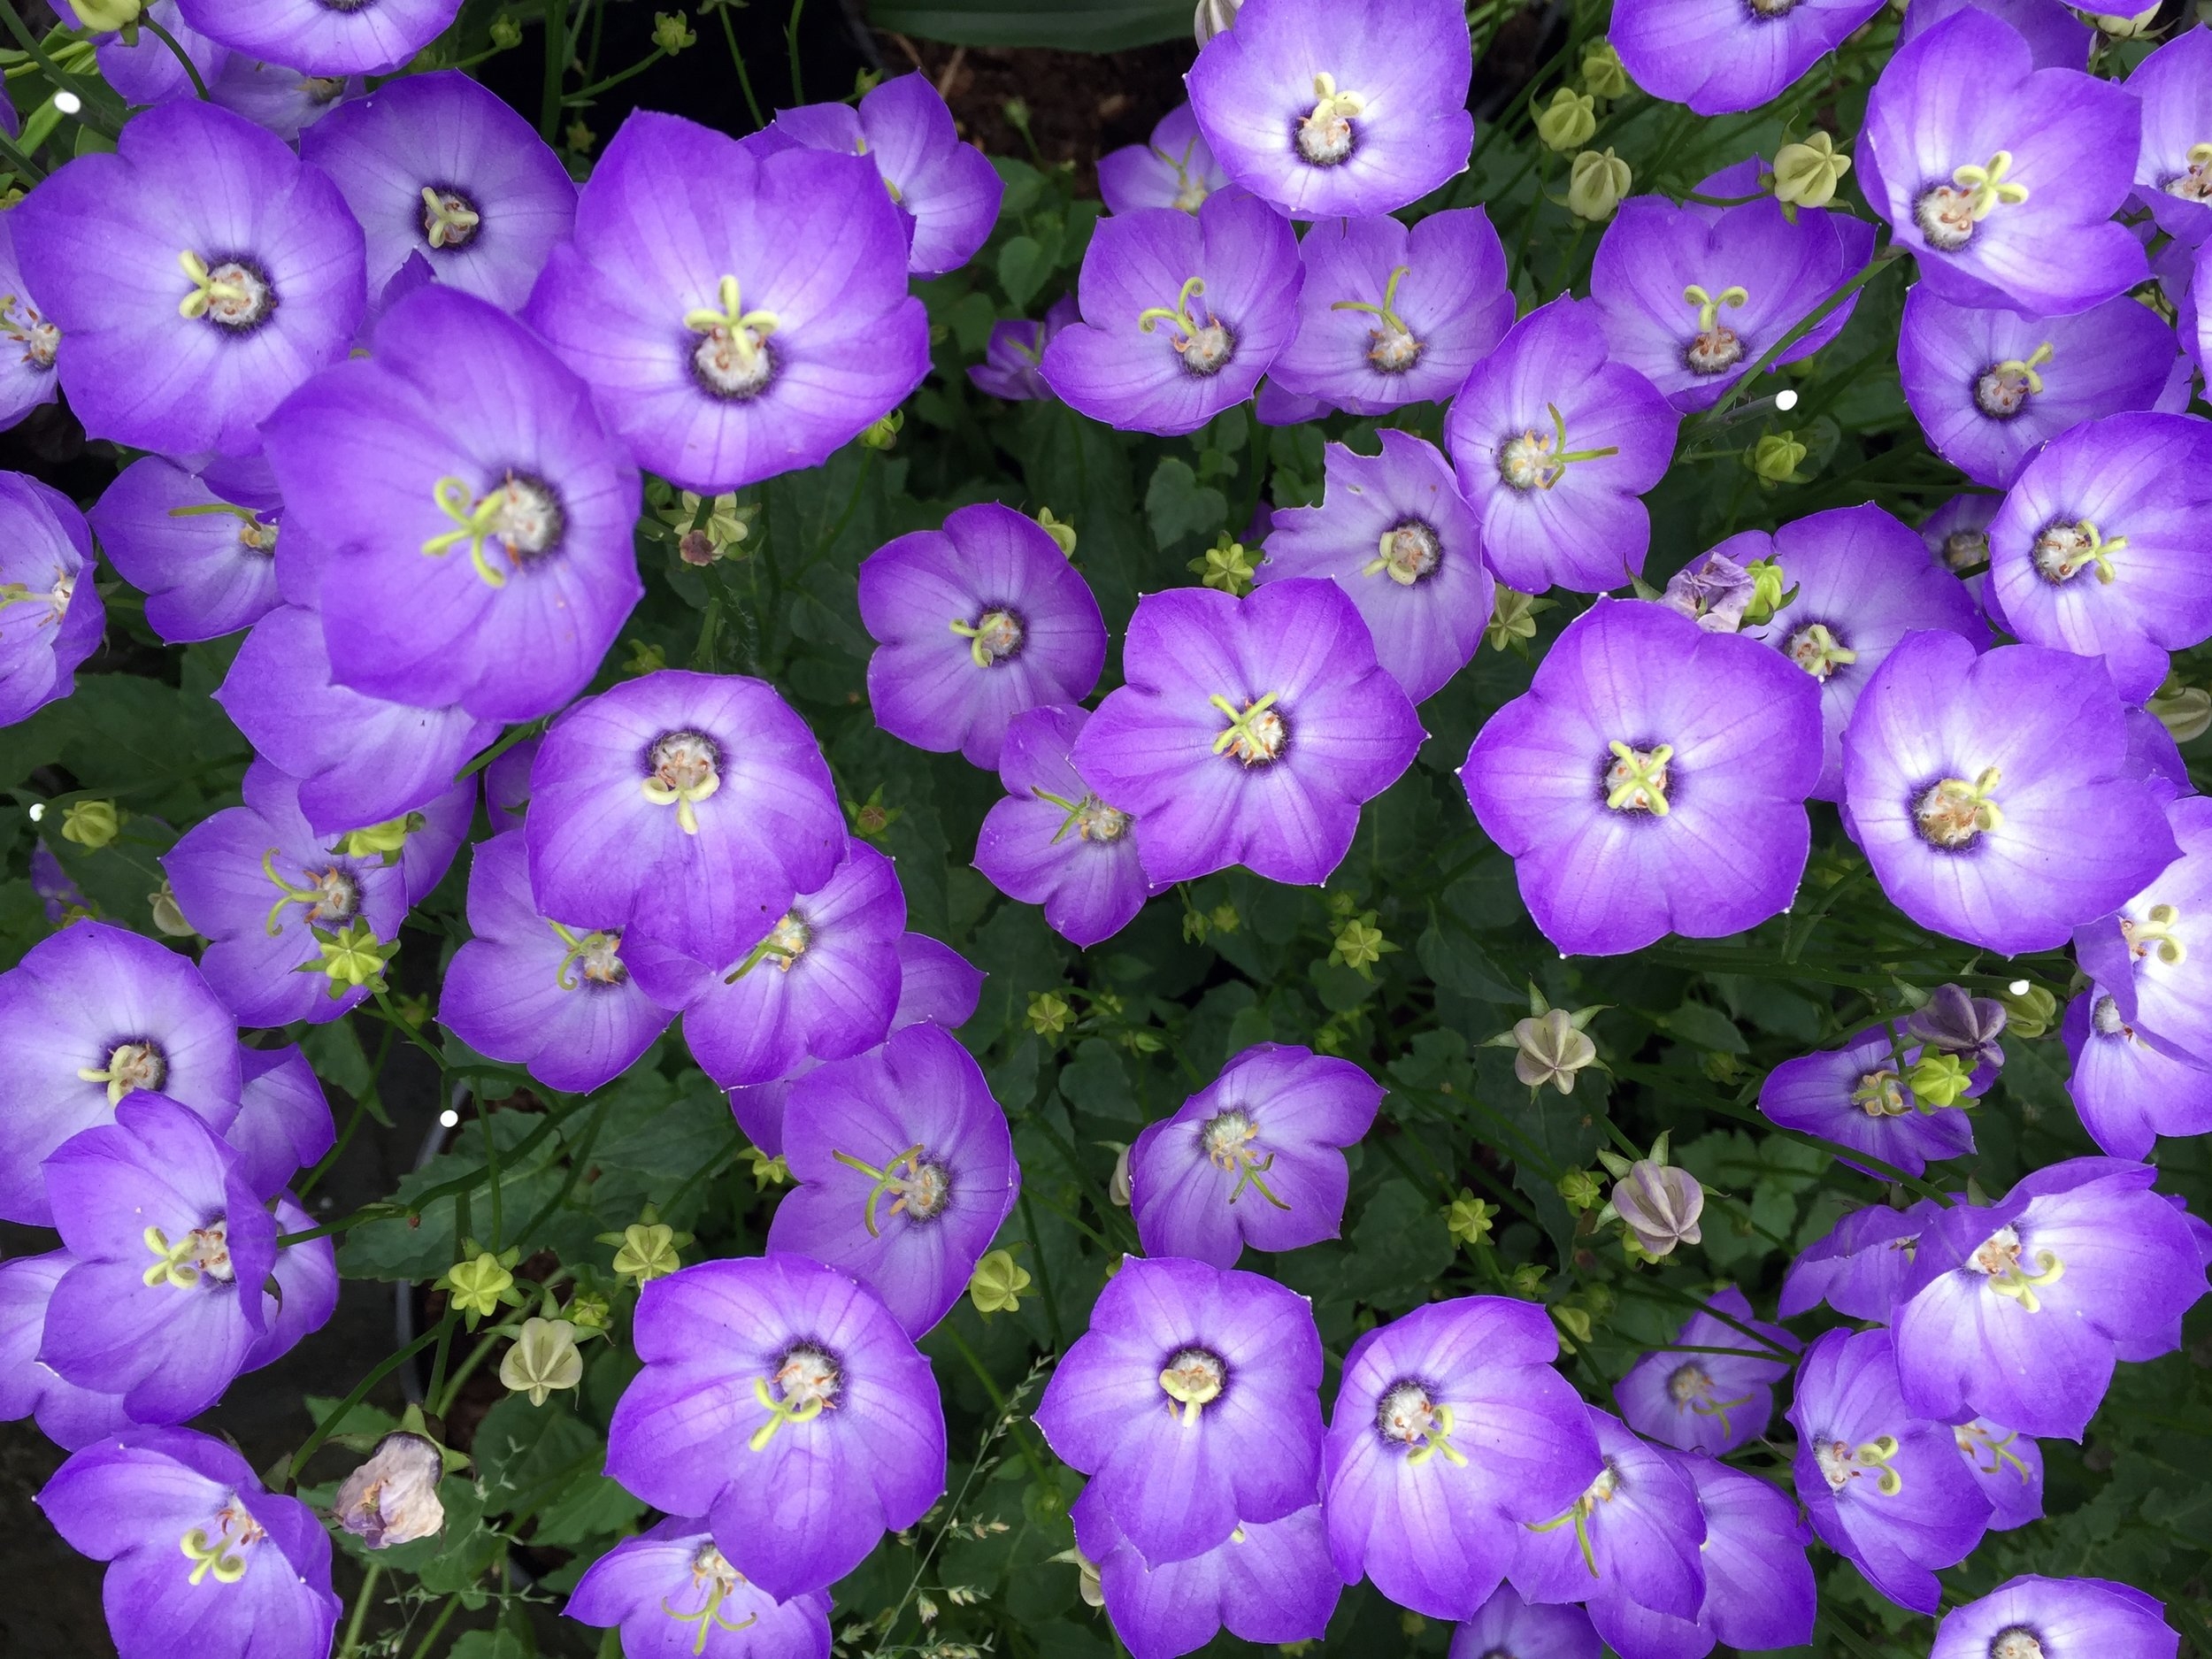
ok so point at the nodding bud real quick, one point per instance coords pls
(1551, 1047)
(2029, 1013)
(997, 1283)
(392, 1498)
(1569, 121)
(1806, 174)
(1776, 458)
(1596, 186)
(1659, 1205)
(543, 1358)
(102, 16)
(1117, 1188)
(91, 824)
(1604, 73)
(2123, 27)
(2185, 712)
(1212, 18)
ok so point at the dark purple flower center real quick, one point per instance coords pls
(996, 636)
(134, 1063)
(682, 768)
(1193, 1378)
(2016, 1641)
(1767, 11)
(2002, 389)
(1952, 814)
(1324, 135)
(1410, 553)
(231, 291)
(449, 218)
(1636, 778)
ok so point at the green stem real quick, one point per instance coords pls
(576, 100)
(1883, 256)
(391, 1017)
(791, 39)
(1044, 1279)
(556, 65)
(513, 735)
(491, 1165)
(384, 1368)
(744, 80)
(95, 92)
(437, 1625)
(352, 1643)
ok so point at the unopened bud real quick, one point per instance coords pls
(2185, 712)
(105, 16)
(882, 432)
(673, 33)
(1117, 1185)
(1570, 120)
(1937, 1079)
(997, 1283)
(1551, 1049)
(1063, 534)
(91, 824)
(1776, 456)
(542, 1359)
(1580, 1189)
(506, 33)
(1806, 174)
(1596, 184)
(1603, 74)
(1467, 1218)
(1659, 1204)
(1048, 1014)
(1212, 18)
(168, 915)
(2029, 1013)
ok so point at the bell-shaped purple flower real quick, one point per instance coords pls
(1719, 56)
(738, 315)
(1759, 1590)
(1861, 582)
(821, 983)
(163, 1304)
(28, 342)
(1695, 1400)
(1505, 1625)
(2102, 547)
(1991, 388)
(2142, 955)
(975, 624)
(2007, 1466)
(478, 525)
(674, 1595)
(1182, 314)
(1327, 109)
(1016, 353)
(1860, 1264)
(300, 1292)
(440, 166)
(538, 994)
(1652, 781)
(1860, 1096)
(1193, 1405)
(2173, 169)
(283, 1123)
(2126, 1091)
(1991, 794)
(905, 1169)
(319, 39)
(1451, 1432)
(2034, 1615)
(689, 809)
(2014, 1310)
(284, 101)
(1253, 1158)
(435, 838)
(780, 1400)
(1555, 442)
(50, 614)
(66, 1414)
(946, 190)
(2057, 38)
(145, 71)
(206, 565)
(94, 1014)
(1882, 1486)
(199, 273)
(1269, 1581)
(1389, 316)
(2006, 199)
(270, 891)
(359, 759)
(1249, 731)
(1692, 297)
(1957, 1022)
(1051, 842)
(1176, 168)
(1393, 532)
(1957, 534)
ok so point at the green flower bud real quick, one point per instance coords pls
(1937, 1080)
(589, 1310)
(506, 33)
(1512, 617)
(673, 33)
(1769, 593)
(1467, 1218)
(386, 841)
(1570, 120)
(1776, 456)
(883, 433)
(647, 1252)
(1048, 1014)
(1603, 72)
(1580, 1189)
(1596, 184)
(91, 824)
(1575, 1324)
(1062, 532)
(168, 917)
(1360, 945)
(1806, 174)
(997, 1284)
(543, 1358)
(767, 1171)
(1551, 1049)
(105, 16)
(1225, 565)
(481, 1286)
(2029, 1013)
(2184, 711)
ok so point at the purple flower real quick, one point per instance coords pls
(1182, 314)
(301, 1290)
(975, 624)
(507, 784)
(1651, 781)
(2013, 1309)
(1957, 534)
(50, 614)
(1389, 316)
(201, 247)
(1505, 1625)
(283, 1123)
(1329, 109)
(1273, 406)
(320, 39)
(2007, 1466)
(60, 897)
(440, 166)
(780, 1400)
(1267, 1582)
(674, 1595)
(28, 342)
(479, 526)
(2033, 1615)
(1051, 842)
(734, 332)
(536, 993)
(2126, 1091)
(2006, 199)
(1451, 1432)
(67, 1414)
(145, 71)
(284, 101)
(1393, 532)
(1719, 56)
(269, 890)
(432, 842)
(1860, 1264)
(1957, 1022)
(1176, 169)
(204, 1561)
(1255, 1157)
(1554, 443)
(947, 192)
(1631, 1540)
(821, 983)
(1858, 1096)
(2056, 38)
(1990, 795)
(1990, 387)
(163, 1303)
(690, 809)
(94, 1014)
(207, 566)
(359, 759)
(905, 1169)
(1882, 1486)
(1249, 731)
(1704, 1401)
(1192, 1402)
(2173, 170)
(1759, 1591)
(1692, 297)
(2142, 955)
(1017, 348)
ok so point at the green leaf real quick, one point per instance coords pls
(1073, 26)
(1398, 1249)
(530, 1455)
(1022, 265)
(1707, 1027)
(592, 1507)
(1177, 505)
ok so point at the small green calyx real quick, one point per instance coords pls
(1227, 566)
(353, 958)
(1637, 779)
(673, 33)
(1770, 591)
(386, 841)
(997, 1283)
(1937, 1080)
(917, 1187)
(1194, 1380)
(1255, 736)
(544, 1359)
(1049, 1013)
(1776, 458)
(1512, 618)
(882, 433)
(1393, 350)
(1467, 1219)
(646, 1249)
(482, 1284)
(1359, 945)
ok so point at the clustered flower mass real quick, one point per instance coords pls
(1119, 910)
